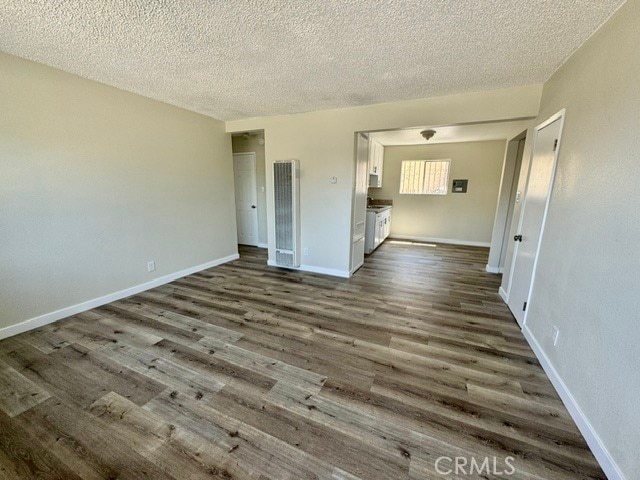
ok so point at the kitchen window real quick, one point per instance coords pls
(425, 177)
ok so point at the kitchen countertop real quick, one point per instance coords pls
(378, 208)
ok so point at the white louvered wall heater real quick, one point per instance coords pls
(286, 192)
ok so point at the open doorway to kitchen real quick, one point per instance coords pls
(250, 187)
(428, 185)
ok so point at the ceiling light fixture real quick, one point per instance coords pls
(428, 134)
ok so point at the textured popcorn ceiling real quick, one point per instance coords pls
(247, 58)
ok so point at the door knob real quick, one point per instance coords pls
(253, 206)
(518, 238)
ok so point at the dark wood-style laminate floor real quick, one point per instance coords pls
(244, 371)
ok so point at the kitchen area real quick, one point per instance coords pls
(378, 219)
(371, 217)
(378, 226)
(438, 185)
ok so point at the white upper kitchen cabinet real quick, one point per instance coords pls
(376, 160)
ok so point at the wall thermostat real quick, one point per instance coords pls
(459, 186)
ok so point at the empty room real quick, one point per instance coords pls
(319, 239)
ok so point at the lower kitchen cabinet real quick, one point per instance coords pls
(378, 227)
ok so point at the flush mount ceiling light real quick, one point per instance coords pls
(428, 134)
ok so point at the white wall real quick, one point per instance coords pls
(247, 145)
(456, 217)
(588, 281)
(324, 143)
(95, 182)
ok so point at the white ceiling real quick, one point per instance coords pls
(451, 134)
(246, 58)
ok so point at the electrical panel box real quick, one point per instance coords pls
(459, 186)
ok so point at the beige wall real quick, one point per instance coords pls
(457, 217)
(587, 281)
(247, 145)
(95, 182)
(324, 143)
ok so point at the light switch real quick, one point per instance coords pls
(333, 180)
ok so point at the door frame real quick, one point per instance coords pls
(557, 116)
(255, 185)
(354, 204)
(508, 180)
(511, 203)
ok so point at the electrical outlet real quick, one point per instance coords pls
(554, 336)
(305, 252)
(151, 266)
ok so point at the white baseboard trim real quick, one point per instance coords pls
(493, 269)
(325, 271)
(607, 463)
(450, 241)
(263, 245)
(503, 294)
(313, 269)
(355, 269)
(51, 317)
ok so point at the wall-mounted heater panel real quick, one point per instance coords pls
(286, 192)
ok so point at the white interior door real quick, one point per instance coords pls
(534, 211)
(512, 203)
(244, 169)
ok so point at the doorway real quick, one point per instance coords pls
(359, 206)
(252, 142)
(428, 184)
(508, 198)
(244, 170)
(546, 144)
(513, 197)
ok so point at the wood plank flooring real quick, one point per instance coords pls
(249, 372)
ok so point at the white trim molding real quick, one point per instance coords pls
(325, 271)
(450, 241)
(51, 317)
(503, 295)
(355, 269)
(599, 450)
(313, 269)
(493, 269)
